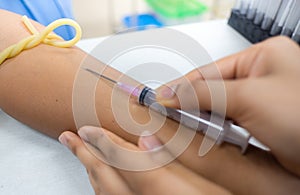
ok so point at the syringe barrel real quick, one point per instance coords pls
(148, 98)
(218, 129)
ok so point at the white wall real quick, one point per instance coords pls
(102, 17)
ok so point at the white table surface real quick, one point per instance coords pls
(32, 163)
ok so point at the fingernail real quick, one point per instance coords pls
(63, 139)
(167, 92)
(83, 131)
(83, 135)
(150, 141)
(86, 130)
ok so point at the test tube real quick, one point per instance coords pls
(238, 5)
(281, 17)
(270, 14)
(296, 34)
(292, 19)
(245, 7)
(252, 9)
(261, 10)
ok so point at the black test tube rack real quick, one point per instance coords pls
(247, 28)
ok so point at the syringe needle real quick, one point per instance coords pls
(132, 90)
(100, 75)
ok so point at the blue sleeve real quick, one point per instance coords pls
(44, 12)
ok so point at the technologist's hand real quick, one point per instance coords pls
(173, 178)
(262, 87)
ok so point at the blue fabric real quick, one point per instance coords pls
(44, 12)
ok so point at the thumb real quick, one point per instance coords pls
(221, 96)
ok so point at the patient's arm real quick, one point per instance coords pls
(36, 89)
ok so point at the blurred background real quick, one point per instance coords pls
(104, 17)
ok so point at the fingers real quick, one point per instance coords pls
(131, 165)
(212, 87)
(227, 87)
(222, 83)
(124, 155)
(224, 97)
(74, 143)
(183, 180)
(115, 149)
(96, 136)
(149, 142)
(104, 179)
(110, 148)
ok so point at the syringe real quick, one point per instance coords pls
(219, 130)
